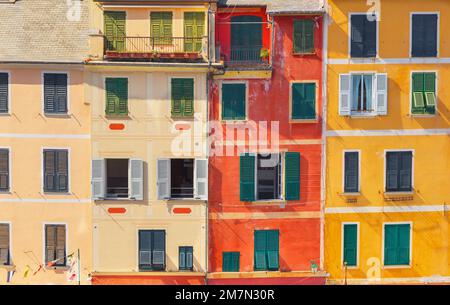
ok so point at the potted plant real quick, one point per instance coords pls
(264, 54)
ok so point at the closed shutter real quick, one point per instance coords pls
(233, 101)
(182, 258)
(159, 250)
(424, 35)
(145, 249)
(201, 179)
(304, 101)
(403, 251)
(98, 179)
(61, 245)
(55, 93)
(112, 99)
(304, 36)
(397, 244)
(392, 169)
(418, 33)
(247, 177)
(260, 240)
(4, 92)
(357, 35)
(351, 172)
(137, 179)
(405, 172)
(49, 93)
(430, 92)
(122, 94)
(194, 29)
(116, 96)
(272, 249)
(115, 30)
(188, 94)
(344, 94)
(4, 244)
(4, 170)
(163, 176)
(292, 178)
(62, 171)
(230, 261)
(49, 171)
(370, 37)
(382, 93)
(161, 27)
(182, 97)
(50, 243)
(350, 244)
(246, 38)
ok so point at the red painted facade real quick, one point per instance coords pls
(231, 221)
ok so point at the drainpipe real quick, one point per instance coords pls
(272, 38)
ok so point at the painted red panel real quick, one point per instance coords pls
(148, 280)
(117, 126)
(182, 126)
(117, 210)
(269, 281)
(181, 210)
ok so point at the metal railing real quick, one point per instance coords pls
(246, 54)
(156, 45)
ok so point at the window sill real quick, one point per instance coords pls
(49, 193)
(396, 267)
(5, 114)
(57, 267)
(363, 115)
(351, 194)
(176, 117)
(58, 115)
(117, 116)
(304, 54)
(303, 121)
(8, 267)
(224, 121)
(184, 199)
(5, 192)
(399, 193)
(423, 115)
(269, 202)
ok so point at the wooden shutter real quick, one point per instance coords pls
(50, 243)
(161, 27)
(49, 93)
(418, 33)
(194, 30)
(145, 249)
(98, 179)
(163, 176)
(115, 30)
(344, 94)
(188, 95)
(246, 38)
(304, 101)
(357, 35)
(292, 175)
(4, 170)
(182, 97)
(247, 177)
(233, 101)
(116, 96)
(177, 97)
(122, 93)
(182, 258)
(62, 171)
(4, 92)
(136, 179)
(370, 37)
(201, 179)
(430, 92)
(405, 171)
(397, 244)
(351, 172)
(260, 240)
(188, 32)
(304, 36)
(381, 93)
(272, 249)
(430, 25)
(158, 249)
(350, 244)
(4, 244)
(392, 171)
(403, 247)
(230, 261)
(49, 170)
(61, 244)
(60, 93)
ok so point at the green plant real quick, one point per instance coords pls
(264, 53)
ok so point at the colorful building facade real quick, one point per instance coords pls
(387, 142)
(265, 159)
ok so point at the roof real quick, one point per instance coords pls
(281, 6)
(43, 30)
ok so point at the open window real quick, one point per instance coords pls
(182, 178)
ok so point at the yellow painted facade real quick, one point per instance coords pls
(426, 207)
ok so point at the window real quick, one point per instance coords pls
(363, 94)
(116, 96)
(246, 38)
(260, 176)
(55, 93)
(399, 171)
(423, 93)
(233, 101)
(115, 30)
(117, 179)
(304, 101)
(182, 97)
(194, 30)
(266, 250)
(161, 27)
(424, 35)
(304, 36)
(5, 255)
(4, 92)
(182, 179)
(186, 258)
(55, 245)
(56, 170)
(363, 35)
(4, 170)
(350, 250)
(351, 172)
(397, 241)
(230, 261)
(152, 250)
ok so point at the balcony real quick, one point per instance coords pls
(245, 57)
(162, 49)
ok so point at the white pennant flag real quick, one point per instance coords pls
(72, 273)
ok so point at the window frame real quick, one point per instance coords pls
(169, 98)
(179, 252)
(164, 229)
(9, 223)
(361, 114)
(105, 100)
(231, 82)
(281, 174)
(293, 37)
(438, 30)
(68, 192)
(8, 72)
(377, 36)
(358, 151)
(106, 179)
(8, 148)
(267, 269)
(357, 243)
(44, 249)
(385, 172)
(411, 86)
(383, 266)
(56, 114)
(291, 100)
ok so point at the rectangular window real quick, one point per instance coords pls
(5, 255)
(362, 93)
(397, 241)
(363, 35)
(351, 172)
(350, 240)
(116, 96)
(185, 259)
(55, 245)
(304, 36)
(55, 93)
(115, 30)
(4, 170)
(423, 93)
(233, 101)
(4, 92)
(152, 250)
(194, 30)
(124, 178)
(399, 171)
(266, 250)
(304, 101)
(56, 170)
(230, 261)
(246, 39)
(424, 35)
(161, 27)
(182, 97)
(182, 178)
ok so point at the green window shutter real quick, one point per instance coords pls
(116, 96)
(304, 101)
(424, 93)
(390, 244)
(397, 244)
(111, 98)
(272, 249)
(230, 261)
(260, 246)
(182, 97)
(292, 176)
(233, 101)
(194, 30)
(114, 30)
(403, 251)
(350, 244)
(430, 92)
(122, 93)
(161, 27)
(304, 36)
(247, 177)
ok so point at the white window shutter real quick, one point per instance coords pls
(136, 179)
(98, 179)
(344, 94)
(381, 93)
(163, 174)
(201, 179)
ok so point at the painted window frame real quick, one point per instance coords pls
(410, 223)
(165, 230)
(296, 53)
(69, 180)
(438, 31)
(44, 239)
(190, 268)
(291, 100)
(68, 113)
(9, 112)
(358, 245)
(244, 82)
(358, 151)
(385, 171)
(436, 93)
(377, 50)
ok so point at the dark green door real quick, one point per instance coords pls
(115, 32)
(194, 30)
(246, 38)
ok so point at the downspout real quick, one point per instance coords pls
(272, 38)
